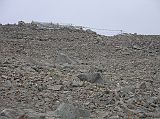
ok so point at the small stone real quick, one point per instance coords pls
(87, 103)
(143, 85)
(77, 83)
(126, 91)
(137, 47)
(8, 83)
(46, 99)
(4, 76)
(55, 87)
(83, 71)
(90, 31)
(50, 78)
(114, 117)
(102, 113)
(21, 23)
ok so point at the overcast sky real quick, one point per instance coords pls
(134, 16)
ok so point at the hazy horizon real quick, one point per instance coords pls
(138, 16)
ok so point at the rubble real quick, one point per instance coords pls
(43, 70)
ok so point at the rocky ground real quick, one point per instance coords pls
(72, 73)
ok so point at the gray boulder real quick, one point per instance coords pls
(77, 82)
(69, 111)
(21, 114)
(11, 114)
(91, 77)
(31, 114)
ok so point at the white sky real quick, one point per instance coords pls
(133, 16)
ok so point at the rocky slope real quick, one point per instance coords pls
(71, 73)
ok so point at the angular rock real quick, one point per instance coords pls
(126, 91)
(10, 114)
(91, 77)
(8, 83)
(90, 31)
(114, 117)
(21, 23)
(143, 85)
(4, 77)
(136, 47)
(69, 111)
(77, 83)
(55, 87)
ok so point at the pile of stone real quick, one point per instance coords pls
(77, 74)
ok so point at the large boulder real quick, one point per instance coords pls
(70, 111)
